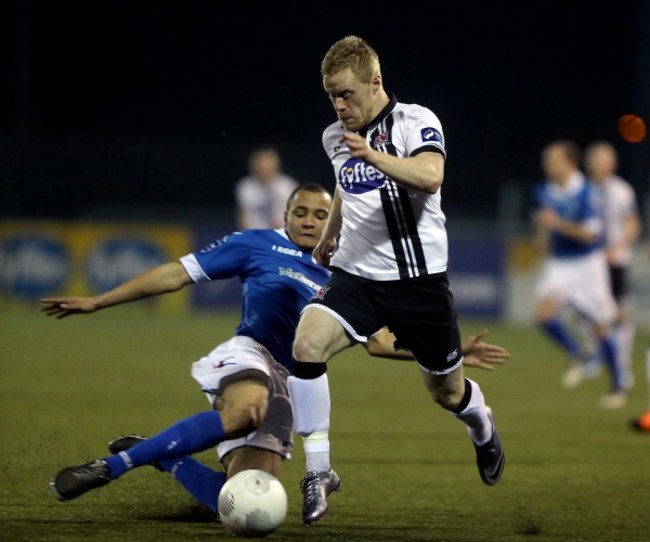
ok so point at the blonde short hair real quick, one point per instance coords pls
(354, 53)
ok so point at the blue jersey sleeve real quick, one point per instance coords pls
(538, 197)
(226, 257)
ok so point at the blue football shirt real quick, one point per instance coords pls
(578, 202)
(278, 280)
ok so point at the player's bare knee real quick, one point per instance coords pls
(243, 408)
(601, 331)
(447, 391)
(448, 399)
(545, 311)
(240, 419)
(305, 348)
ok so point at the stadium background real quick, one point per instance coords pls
(123, 128)
(122, 113)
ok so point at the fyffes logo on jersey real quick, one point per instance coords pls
(33, 265)
(358, 177)
(115, 260)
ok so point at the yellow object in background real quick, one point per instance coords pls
(42, 258)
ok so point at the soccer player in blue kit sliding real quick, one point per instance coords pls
(244, 378)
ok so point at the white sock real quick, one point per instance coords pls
(310, 400)
(589, 339)
(317, 451)
(624, 339)
(475, 416)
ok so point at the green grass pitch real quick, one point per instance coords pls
(574, 472)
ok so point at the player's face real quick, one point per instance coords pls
(264, 165)
(353, 100)
(306, 217)
(555, 164)
(600, 162)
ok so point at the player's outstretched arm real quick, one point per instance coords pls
(476, 353)
(164, 278)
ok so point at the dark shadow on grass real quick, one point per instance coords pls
(191, 514)
(62, 521)
(425, 462)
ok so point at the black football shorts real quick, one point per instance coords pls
(420, 313)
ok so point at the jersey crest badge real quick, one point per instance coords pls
(381, 139)
(431, 135)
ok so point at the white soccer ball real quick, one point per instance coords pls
(252, 503)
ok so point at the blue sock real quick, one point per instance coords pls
(610, 355)
(560, 334)
(193, 434)
(202, 482)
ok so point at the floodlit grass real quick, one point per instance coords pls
(574, 472)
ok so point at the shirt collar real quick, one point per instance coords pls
(382, 114)
(572, 187)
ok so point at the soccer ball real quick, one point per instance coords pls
(252, 503)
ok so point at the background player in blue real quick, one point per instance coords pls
(241, 377)
(570, 228)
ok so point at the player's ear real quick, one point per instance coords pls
(375, 82)
(286, 216)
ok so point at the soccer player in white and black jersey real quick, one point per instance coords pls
(386, 244)
(622, 229)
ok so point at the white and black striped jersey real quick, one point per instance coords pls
(619, 202)
(389, 231)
